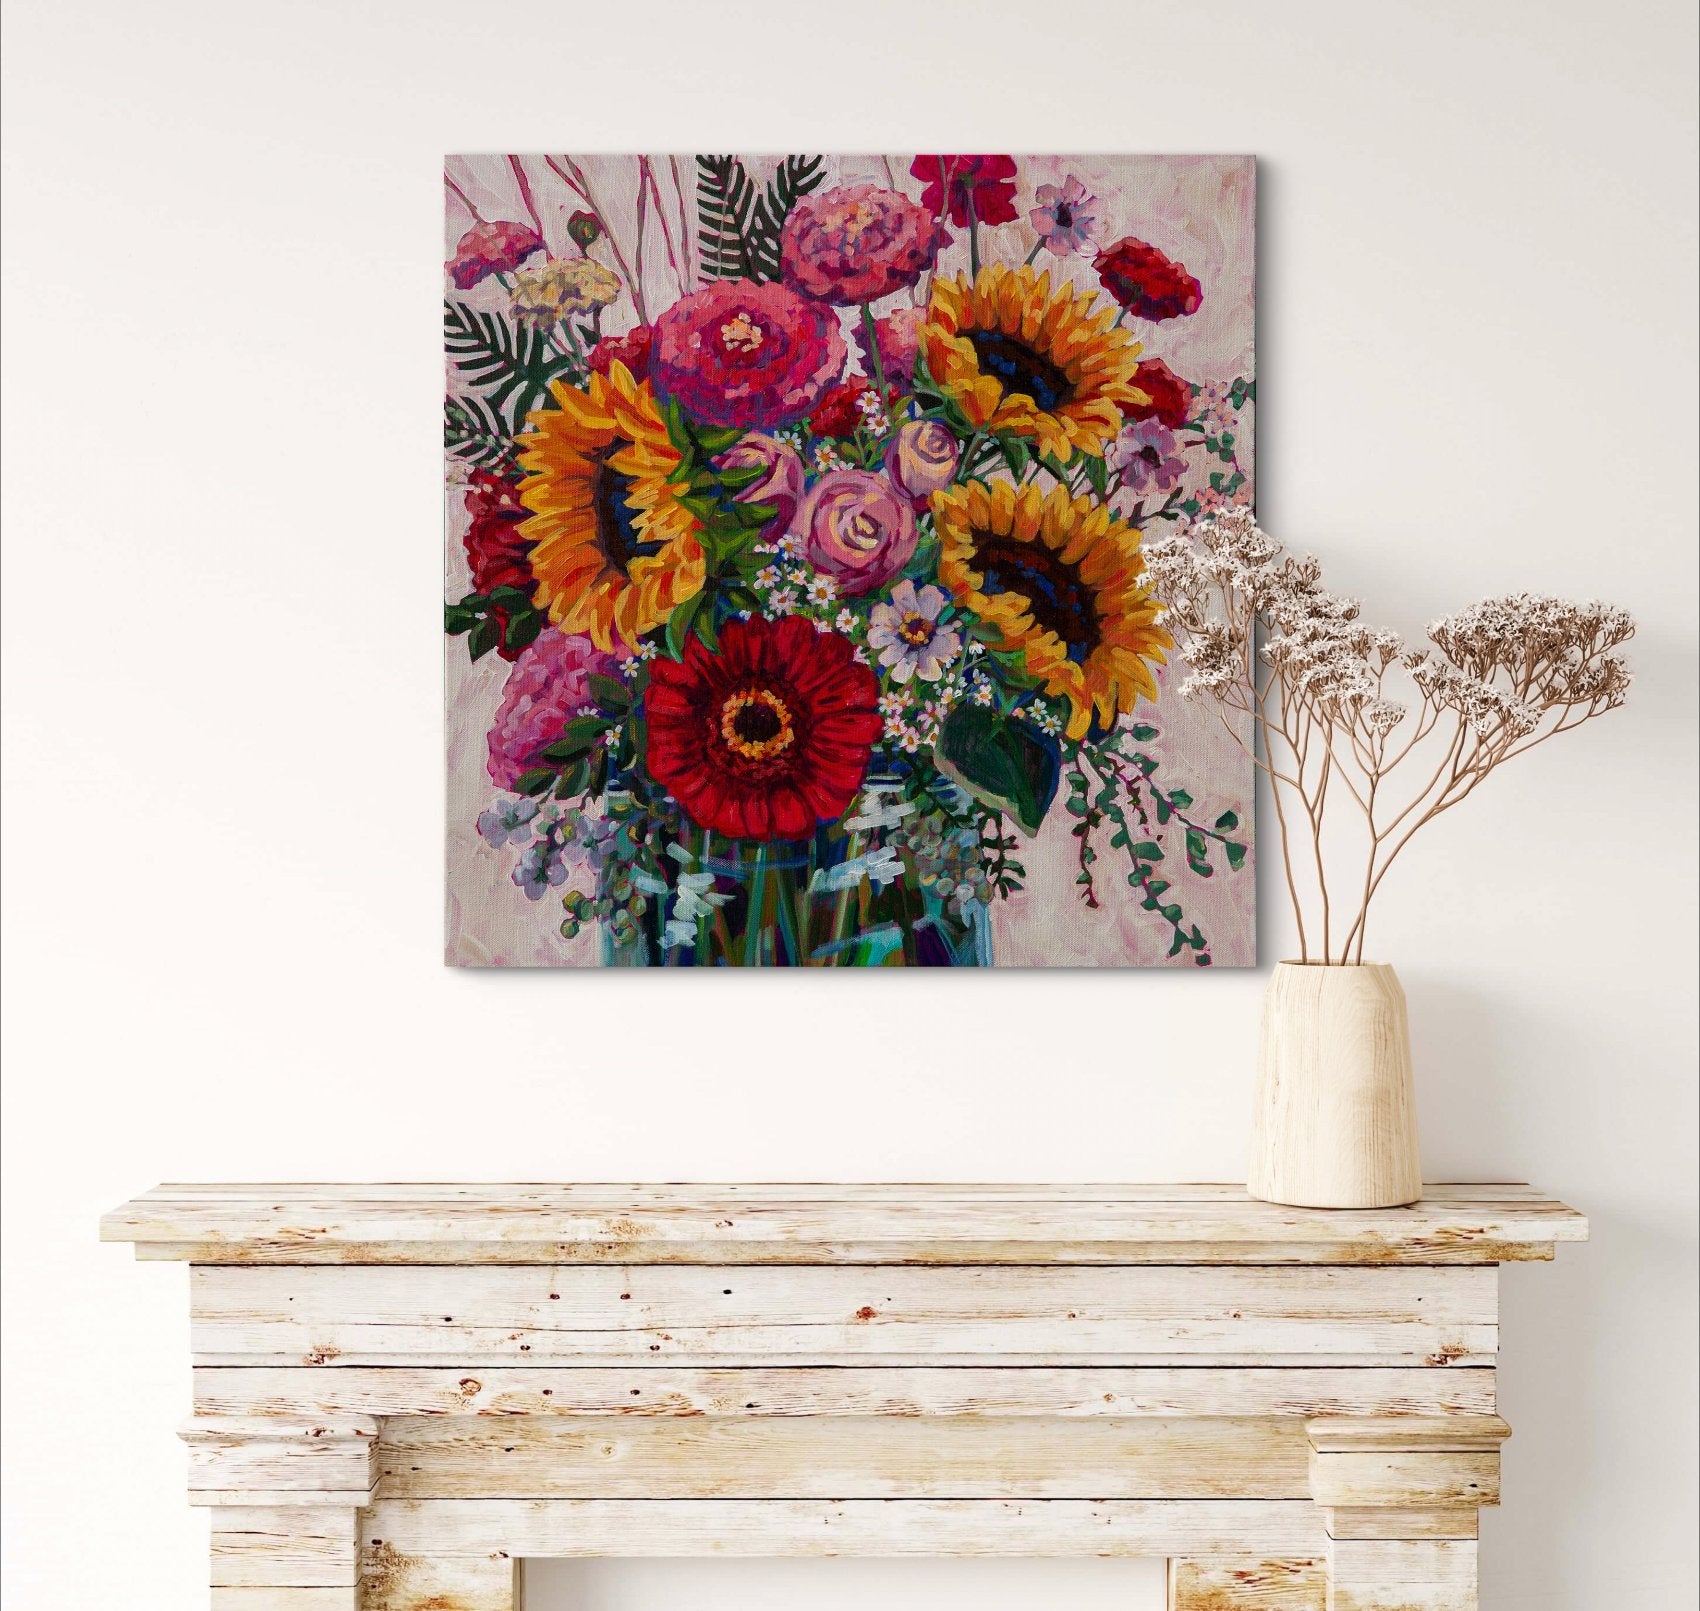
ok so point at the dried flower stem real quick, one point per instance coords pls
(1265, 640)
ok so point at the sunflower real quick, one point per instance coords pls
(1059, 578)
(1022, 358)
(615, 550)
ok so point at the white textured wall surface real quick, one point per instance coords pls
(222, 672)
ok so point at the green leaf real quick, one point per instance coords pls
(537, 781)
(1236, 854)
(726, 201)
(523, 627)
(1179, 799)
(1227, 822)
(1143, 732)
(1015, 454)
(484, 637)
(610, 692)
(474, 431)
(1002, 764)
(513, 364)
(1147, 850)
(681, 621)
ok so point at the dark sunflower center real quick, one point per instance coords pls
(1059, 601)
(756, 724)
(1009, 360)
(616, 520)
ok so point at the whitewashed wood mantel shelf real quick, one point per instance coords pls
(403, 1391)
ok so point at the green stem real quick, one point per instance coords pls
(1028, 260)
(874, 351)
(756, 915)
(973, 231)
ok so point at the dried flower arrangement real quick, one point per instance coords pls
(1499, 678)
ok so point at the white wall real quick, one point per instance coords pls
(222, 669)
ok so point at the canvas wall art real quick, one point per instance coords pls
(796, 610)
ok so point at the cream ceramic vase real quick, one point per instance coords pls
(1335, 1121)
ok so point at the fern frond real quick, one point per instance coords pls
(474, 431)
(796, 177)
(726, 203)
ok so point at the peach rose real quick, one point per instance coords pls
(922, 458)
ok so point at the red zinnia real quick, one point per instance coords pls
(631, 349)
(1149, 284)
(498, 555)
(990, 181)
(1171, 397)
(767, 736)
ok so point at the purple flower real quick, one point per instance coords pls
(1065, 218)
(507, 822)
(1145, 455)
(540, 869)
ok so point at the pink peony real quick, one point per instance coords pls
(859, 529)
(746, 354)
(781, 481)
(548, 686)
(858, 243)
(898, 337)
(492, 248)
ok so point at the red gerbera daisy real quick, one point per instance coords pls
(1171, 397)
(767, 736)
(1147, 282)
(990, 181)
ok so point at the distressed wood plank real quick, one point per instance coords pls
(279, 1460)
(1390, 1521)
(1406, 1575)
(791, 1224)
(1344, 1434)
(1245, 1583)
(435, 1580)
(957, 1458)
(269, 1597)
(294, 1547)
(1404, 1481)
(843, 1391)
(558, 1528)
(454, 1315)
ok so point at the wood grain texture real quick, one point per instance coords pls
(460, 1315)
(292, 1547)
(1245, 1583)
(438, 1580)
(798, 1224)
(1402, 1575)
(985, 1390)
(1334, 1114)
(555, 1528)
(277, 1460)
(958, 1458)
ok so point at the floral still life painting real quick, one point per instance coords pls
(796, 604)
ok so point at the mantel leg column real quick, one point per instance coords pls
(1400, 1498)
(286, 1498)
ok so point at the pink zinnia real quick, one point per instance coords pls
(548, 686)
(897, 337)
(742, 353)
(858, 243)
(492, 248)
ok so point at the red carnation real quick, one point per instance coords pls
(988, 181)
(1171, 397)
(632, 349)
(767, 736)
(839, 413)
(1149, 284)
(487, 248)
(498, 554)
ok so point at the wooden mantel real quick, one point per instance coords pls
(403, 1391)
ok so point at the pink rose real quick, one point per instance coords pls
(859, 528)
(922, 458)
(781, 480)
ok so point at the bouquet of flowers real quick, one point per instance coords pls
(822, 585)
